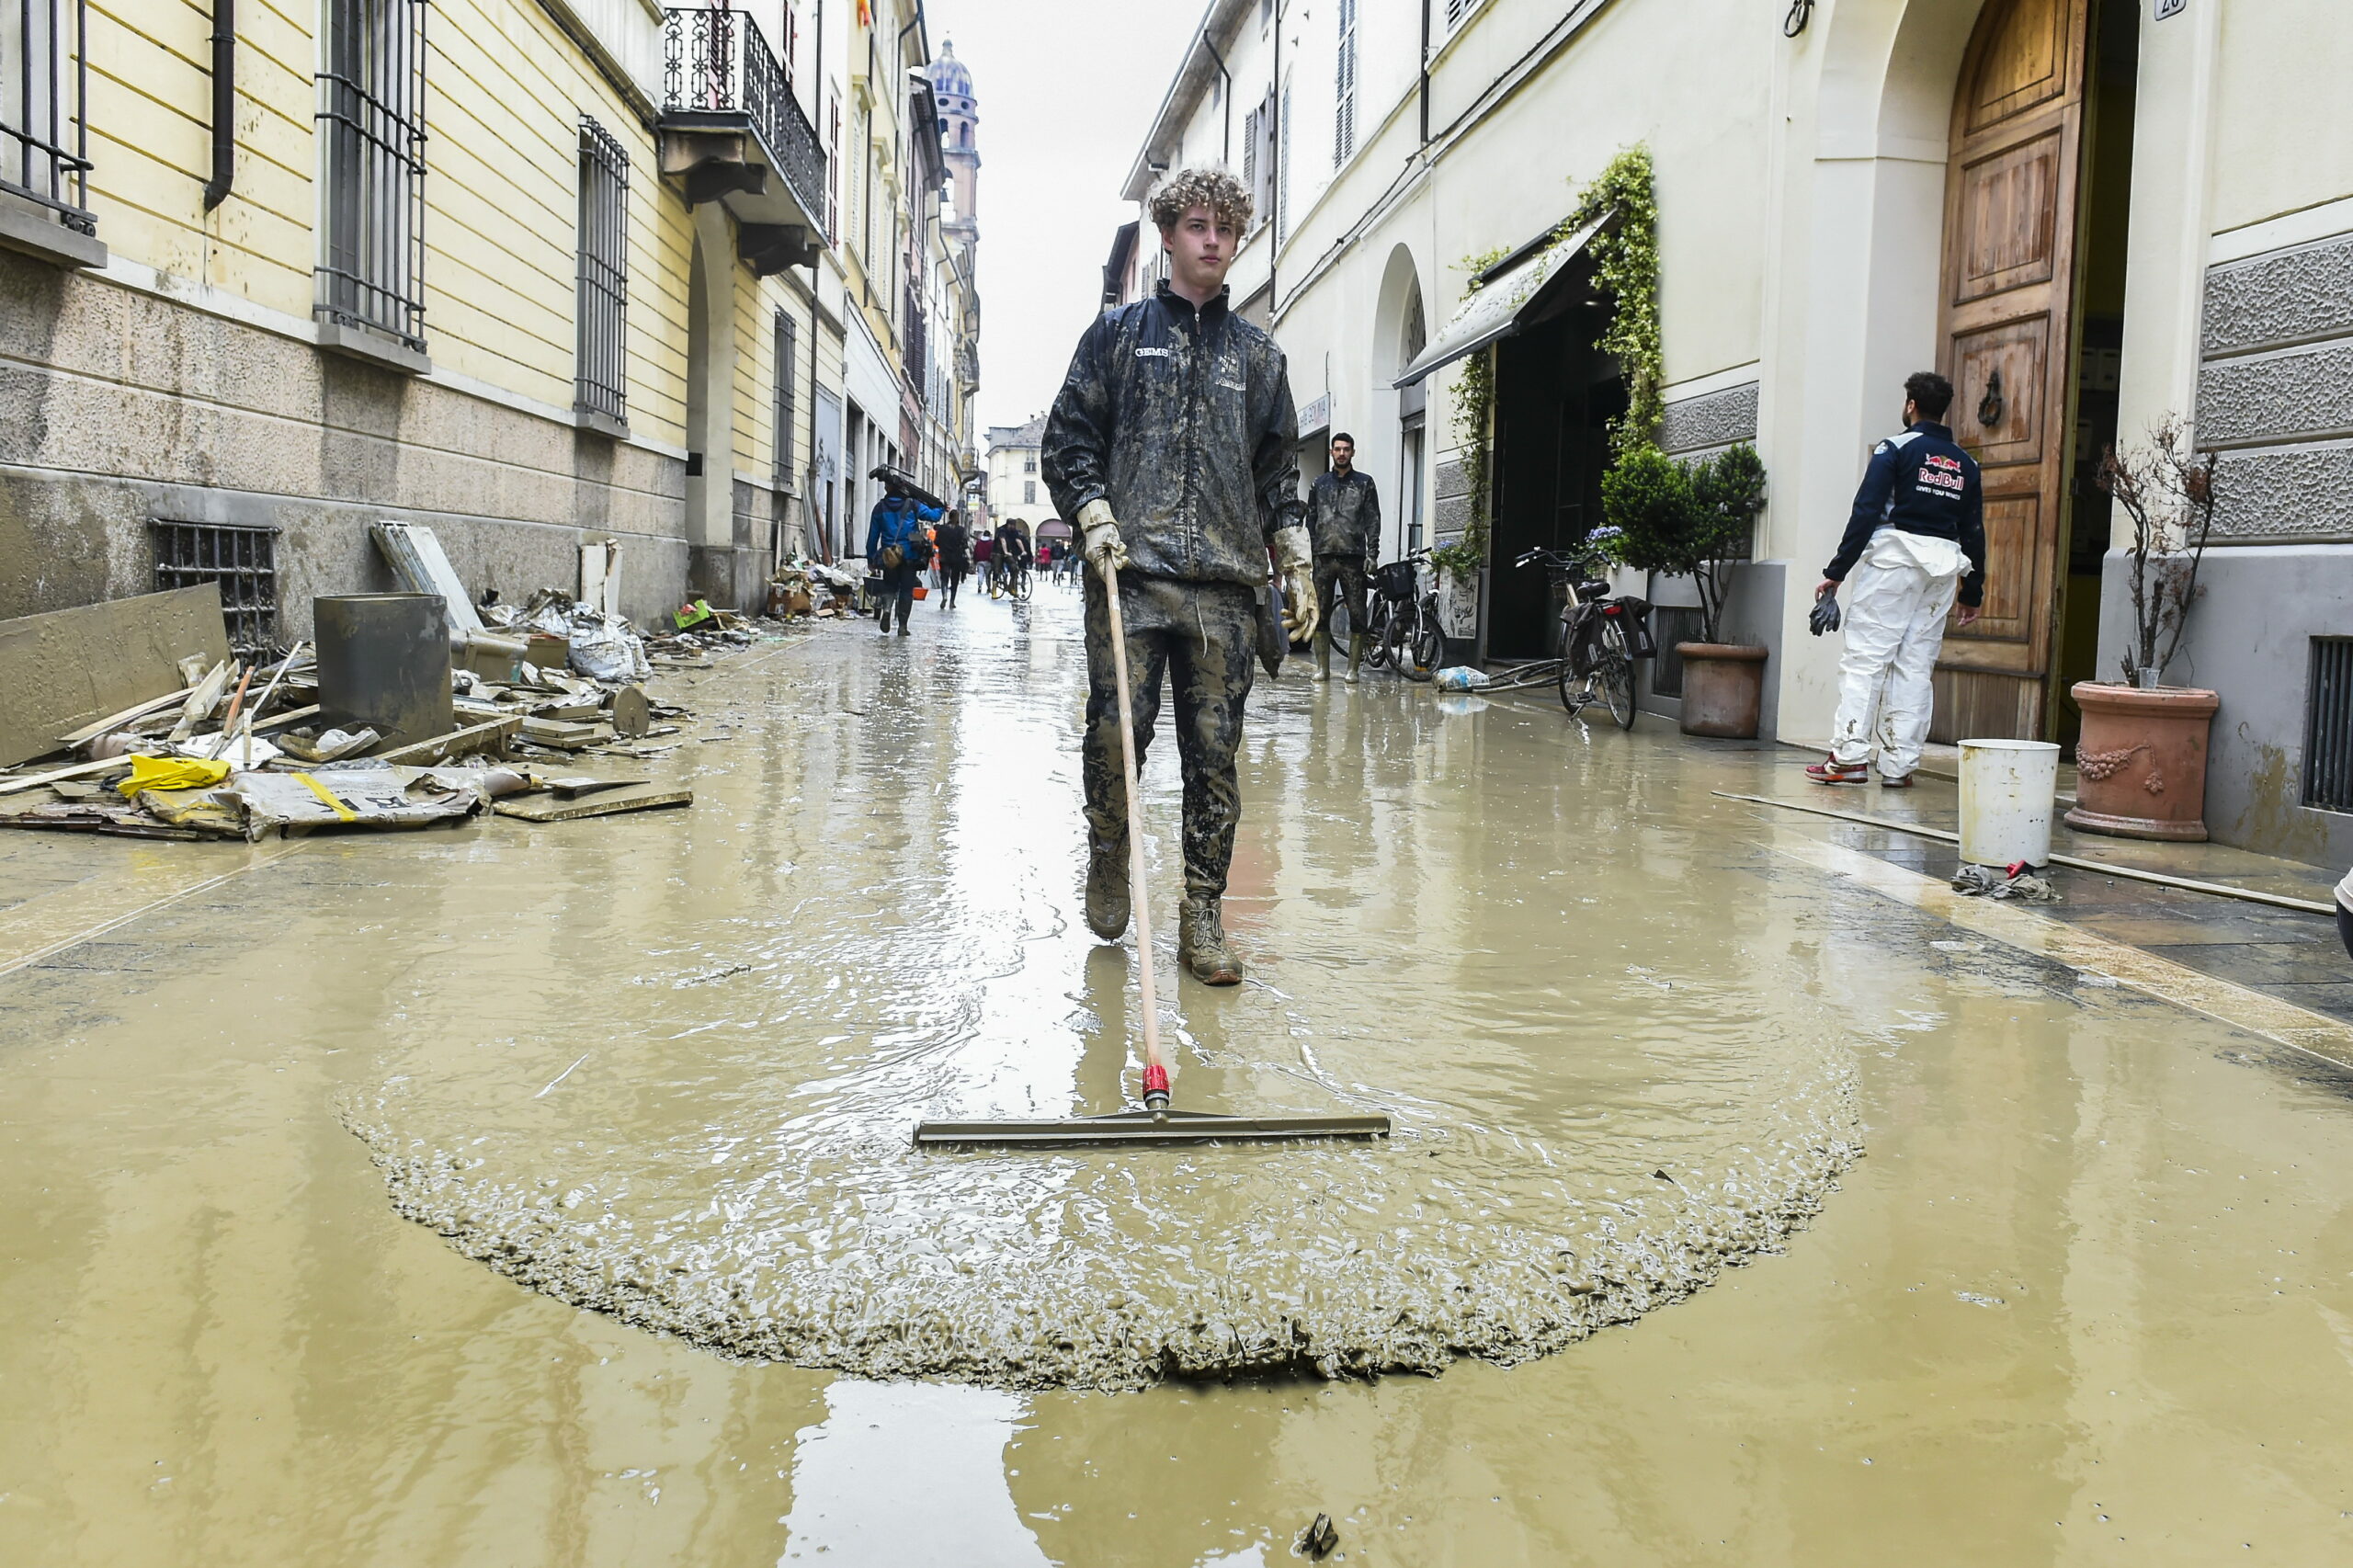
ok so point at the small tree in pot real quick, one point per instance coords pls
(2141, 755)
(1693, 520)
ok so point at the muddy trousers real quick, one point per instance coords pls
(1340, 580)
(897, 592)
(1897, 600)
(1202, 637)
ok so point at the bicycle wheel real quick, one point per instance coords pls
(1613, 675)
(1021, 582)
(1376, 633)
(1427, 647)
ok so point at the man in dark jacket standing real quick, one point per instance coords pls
(1914, 541)
(1171, 445)
(954, 541)
(1344, 525)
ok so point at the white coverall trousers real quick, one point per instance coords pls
(1899, 596)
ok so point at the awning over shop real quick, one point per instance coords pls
(1495, 309)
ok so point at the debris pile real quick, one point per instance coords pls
(802, 587)
(219, 746)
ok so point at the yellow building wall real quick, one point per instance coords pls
(503, 94)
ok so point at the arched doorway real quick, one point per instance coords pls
(711, 415)
(1400, 331)
(2031, 317)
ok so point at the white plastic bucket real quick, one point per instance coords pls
(2006, 791)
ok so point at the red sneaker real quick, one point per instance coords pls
(1830, 770)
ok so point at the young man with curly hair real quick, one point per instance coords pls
(1171, 444)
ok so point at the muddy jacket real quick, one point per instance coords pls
(1182, 420)
(1923, 482)
(1344, 514)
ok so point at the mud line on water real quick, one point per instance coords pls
(1595, 1116)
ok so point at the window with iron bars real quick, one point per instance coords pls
(600, 376)
(371, 119)
(788, 339)
(1344, 117)
(44, 139)
(243, 560)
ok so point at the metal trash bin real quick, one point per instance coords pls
(384, 663)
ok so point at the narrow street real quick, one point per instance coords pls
(1741, 1206)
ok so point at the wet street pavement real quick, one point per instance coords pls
(520, 1195)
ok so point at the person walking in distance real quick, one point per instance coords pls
(1915, 540)
(897, 547)
(1344, 525)
(1171, 445)
(955, 543)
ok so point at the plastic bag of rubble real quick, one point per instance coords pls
(605, 649)
(1459, 678)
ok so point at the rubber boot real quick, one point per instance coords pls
(1356, 656)
(1322, 670)
(1106, 893)
(1201, 947)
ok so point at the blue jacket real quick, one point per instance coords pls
(1923, 482)
(897, 521)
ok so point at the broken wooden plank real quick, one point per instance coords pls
(559, 734)
(607, 802)
(67, 669)
(491, 736)
(204, 699)
(129, 715)
(79, 770)
(571, 785)
(285, 721)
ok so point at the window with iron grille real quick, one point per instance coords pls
(1344, 119)
(787, 340)
(44, 140)
(243, 560)
(600, 376)
(2328, 726)
(372, 123)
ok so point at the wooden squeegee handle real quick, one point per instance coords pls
(1155, 1076)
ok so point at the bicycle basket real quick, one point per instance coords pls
(1396, 581)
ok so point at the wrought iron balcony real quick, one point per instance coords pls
(44, 136)
(731, 126)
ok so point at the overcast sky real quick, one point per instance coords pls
(1066, 91)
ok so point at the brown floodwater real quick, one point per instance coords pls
(1901, 1242)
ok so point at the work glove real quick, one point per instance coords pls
(1296, 565)
(1103, 541)
(1825, 612)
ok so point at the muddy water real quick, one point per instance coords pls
(1594, 1115)
(2091, 1282)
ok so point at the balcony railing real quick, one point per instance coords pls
(716, 62)
(44, 139)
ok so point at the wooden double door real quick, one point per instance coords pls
(2008, 331)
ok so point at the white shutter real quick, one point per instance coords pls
(1282, 171)
(1343, 96)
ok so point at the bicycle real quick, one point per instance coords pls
(1596, 641)
(1408, 638)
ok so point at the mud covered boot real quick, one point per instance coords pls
(1200, 944)
(1322, 670)
(1356, 656)
(1107, 893)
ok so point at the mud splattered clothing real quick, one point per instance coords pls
(1204, 636)
(1344, 514)
(1182, 420)
(1340, 579)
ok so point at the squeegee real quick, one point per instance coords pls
(1158, 1121)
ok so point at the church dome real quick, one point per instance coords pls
(949, 77)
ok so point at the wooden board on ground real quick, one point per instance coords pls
(605, 802)
(491, 736)
(69, 668)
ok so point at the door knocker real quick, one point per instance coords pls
(1989, 407)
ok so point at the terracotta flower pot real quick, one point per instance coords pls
(1723, 689)
(2140, 761)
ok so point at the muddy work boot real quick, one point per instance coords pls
(1322, 670)
(1200, 944)
(1106, 893)
(1356, 656)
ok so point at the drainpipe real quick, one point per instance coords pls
(1275, 186)
(224, 103)
(1224, 97)
(1426, 74)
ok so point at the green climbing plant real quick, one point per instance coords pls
(1625, 263)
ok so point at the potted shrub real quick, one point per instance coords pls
(1693, 522)
(2141, 755)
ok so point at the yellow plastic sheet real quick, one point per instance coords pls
(171, 773)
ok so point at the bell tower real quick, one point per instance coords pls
(952, 85)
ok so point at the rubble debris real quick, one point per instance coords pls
(203, 698)
(491, 736)
(171, 773)
(602, 802)
(327, 745)
(1318, 1540)
(632, 715)
(64, 671)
